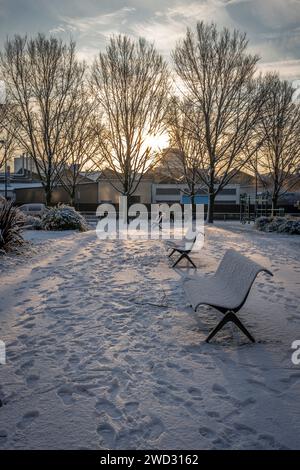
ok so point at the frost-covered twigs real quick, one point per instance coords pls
(162, 302)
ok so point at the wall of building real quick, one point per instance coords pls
(86, 194)
(173, 193)
(107, 193)
(90, 195)
(29, 195)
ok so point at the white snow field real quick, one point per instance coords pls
(103, 351)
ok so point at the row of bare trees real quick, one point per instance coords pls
(228, 119)
(278, 160)
(46, 105)
(70, 118)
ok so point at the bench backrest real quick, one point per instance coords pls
(190, 238)
(237, 273)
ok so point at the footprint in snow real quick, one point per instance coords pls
(3, 436)
(131, 406)
(219, 390)
(244, 429)
(107, 435)
(65, 393)
(195, 393)
(28, 419)
(105, 406)
(154, 429)
(206, 432)
(32, 379)
(213, 414)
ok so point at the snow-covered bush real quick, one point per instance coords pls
(64, 218)
(33, 223)
(262, 222)
(11, 223)
(291, 226)
(278, 224)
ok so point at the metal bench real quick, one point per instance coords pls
(227, 290)
(183, 247)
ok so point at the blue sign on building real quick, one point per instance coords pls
(199, 199)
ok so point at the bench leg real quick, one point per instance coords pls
(184, 255)
(192, 263)
(230, 316)
(173, 251)
(179, 259)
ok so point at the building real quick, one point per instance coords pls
(109, 189)
(20, 174)
(158, 186)
(173, 192)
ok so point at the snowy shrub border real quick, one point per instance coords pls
(288, 225)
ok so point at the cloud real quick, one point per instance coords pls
(104, 21)
(278, 14)
(87, 26)
(287, 69)
(169, 25)
(272, 26)
(91, 32)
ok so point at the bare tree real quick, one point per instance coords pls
(80, 148)
(42, 79)
(217, 74)
(8, 129)
(185, 129)
(279, 155)
(130, 82)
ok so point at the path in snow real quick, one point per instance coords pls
(104, 352)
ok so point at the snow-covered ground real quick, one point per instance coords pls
(103, 350)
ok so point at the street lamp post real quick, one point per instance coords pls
(3, 142)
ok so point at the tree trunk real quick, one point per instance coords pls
(73, 197)
(274, 203)
(193, 201)
(129, 201)
(48, 194)
(210, 209)
(48, 188)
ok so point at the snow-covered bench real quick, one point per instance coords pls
(227, 290)
(183, 247)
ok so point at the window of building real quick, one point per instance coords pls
(228, 192)
(167, 192)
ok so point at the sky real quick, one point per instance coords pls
(272, 26)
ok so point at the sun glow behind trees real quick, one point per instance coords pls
(128, 107)
(157, 142)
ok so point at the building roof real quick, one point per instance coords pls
(92, 176)
(13, 186)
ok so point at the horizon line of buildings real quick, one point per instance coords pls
(158, 186)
